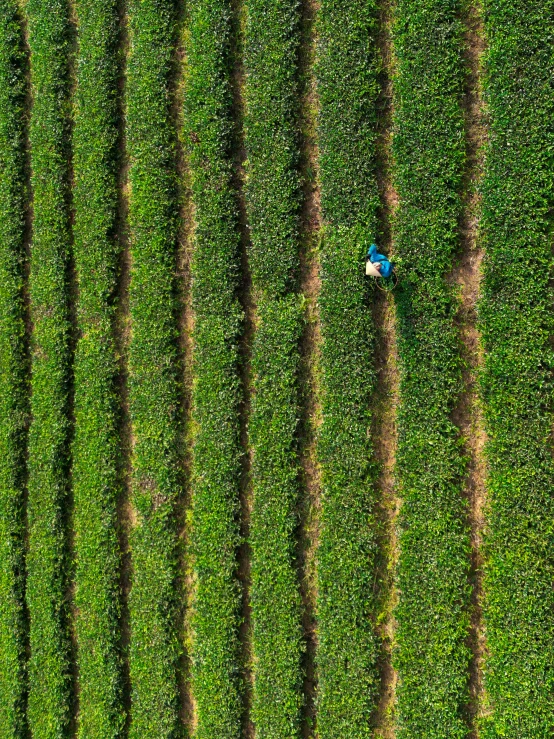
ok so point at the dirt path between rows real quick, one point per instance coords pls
(250, 313)
(185, 320)
(28, 332)
(310, 349)
(385, 439)
(386, 398)
(73, 302)
(126, 516)
(468, 413)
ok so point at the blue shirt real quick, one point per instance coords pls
(374, 256)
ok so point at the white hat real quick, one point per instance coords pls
(371, 269)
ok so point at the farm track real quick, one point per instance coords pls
(248, 305)
(310, 354)
(126, 515)
(185, 236)
(69, 509)
(385, 436)
(466, 276)
(386, 397)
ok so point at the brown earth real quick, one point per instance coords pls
(185, 317)
(310, 355)
(126, 514)
(386, 397)
(468, 413)
(26, 298)
(73, 297)
(250, 318)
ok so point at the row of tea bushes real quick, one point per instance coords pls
(49, 703)
(153, 365)
(216, 672)
(347, 71)
(13, 376)
(273, 199)
(432, 655)
(516, 325)
(96, 473)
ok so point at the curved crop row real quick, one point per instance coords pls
(346, 73)
(50, 682)
(13, 376)
(432, 657)
(218, 320)
(153, 388)
(273, 194)
(516, 324)
(96, 448)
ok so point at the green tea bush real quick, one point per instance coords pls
(14, 395)
(96, 448)
(153, 386)
(516, 324)
(50, 701)
(218, 322)
(277, 636)
(273, 195)
(346, 72)
(432, 655)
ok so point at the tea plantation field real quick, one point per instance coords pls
(247, 492)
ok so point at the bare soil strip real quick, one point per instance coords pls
(468, 413)
(28, 231)
(244, 553)
(310, 353)
(73, 296)
(186, 325)
(250, 312)
(385, 433)
(126, 513)
(385, 440)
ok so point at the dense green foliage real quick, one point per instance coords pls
(50, 681)
(153, 388)
(273, 194)
(432, 656)
(346, 656)
(13, 377)
(61, 426)
(96, 455)
(216, 468)
(277, 636)
(516, 324)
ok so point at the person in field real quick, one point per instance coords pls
(377, 264)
